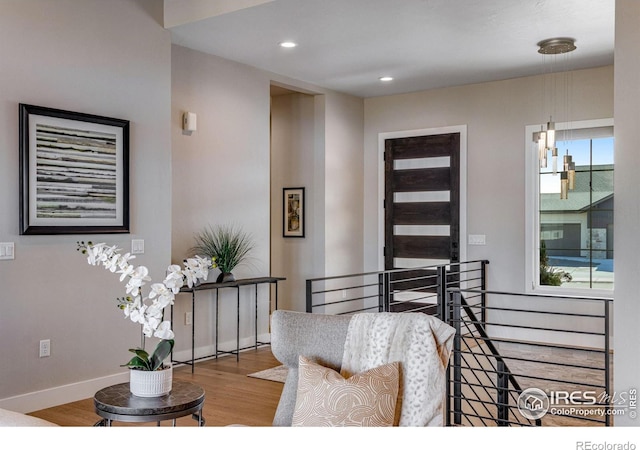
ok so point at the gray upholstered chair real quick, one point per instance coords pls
(422, 343)
(318, 336)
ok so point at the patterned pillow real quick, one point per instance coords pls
(325, 398)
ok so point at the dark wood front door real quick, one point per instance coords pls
(422, 201)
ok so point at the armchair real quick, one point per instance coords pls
(317, 336)
(420, 342)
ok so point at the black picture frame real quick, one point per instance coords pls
(293, 211)
(74, 172)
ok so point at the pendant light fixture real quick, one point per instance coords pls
(545, 139)
(564, 185)
(570, 168)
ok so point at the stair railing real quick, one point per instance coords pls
(558, 355)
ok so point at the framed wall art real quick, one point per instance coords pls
(293, 208)
(74, 172)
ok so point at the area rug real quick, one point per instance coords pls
(278, 374)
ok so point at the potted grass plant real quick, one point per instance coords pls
(227, 245)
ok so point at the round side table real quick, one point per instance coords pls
(118, 403)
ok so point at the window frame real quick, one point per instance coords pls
(532, 215)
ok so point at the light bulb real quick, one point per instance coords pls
(551, 135)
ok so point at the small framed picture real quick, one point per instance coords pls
(74, 172)
(293, 208)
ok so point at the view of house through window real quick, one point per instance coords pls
(576, 233)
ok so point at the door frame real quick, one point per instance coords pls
(382, 137)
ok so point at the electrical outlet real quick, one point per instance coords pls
(45, 348)
(188, 318)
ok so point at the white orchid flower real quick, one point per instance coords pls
(174, 281)
(159, 290)
(153, 321)
(174, 269)
(123, 260)
(198, 267)
(147, 330)
(191, 264)
(189, 277)
(132, 287)
(133, 306)
(93, 252)
(154, 311)
(111, 263)
(161, 295)
(141, 273)
(164, 331)
(105, 254)
(126, 271)
(138, 277)
(164, 295)
(138, 314)
(174, 284)
(153, 314)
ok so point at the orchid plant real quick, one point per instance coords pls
(147, 311)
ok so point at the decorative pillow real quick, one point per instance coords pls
(326, 398)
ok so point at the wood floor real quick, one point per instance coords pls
(231, 396)
(234, 398)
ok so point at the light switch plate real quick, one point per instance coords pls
(137, 246)
(7, 250)
(477, 239)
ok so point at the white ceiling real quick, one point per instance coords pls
(346, 45)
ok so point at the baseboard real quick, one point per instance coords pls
(207, 351)
(59, 395)
(48, 398)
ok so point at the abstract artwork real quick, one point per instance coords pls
(74, 172)
(293, 207)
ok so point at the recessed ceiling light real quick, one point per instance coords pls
(288, 44)
(386, 78)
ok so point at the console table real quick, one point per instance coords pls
(118, 403)
(237, 284)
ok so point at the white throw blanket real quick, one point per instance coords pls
(422, 344)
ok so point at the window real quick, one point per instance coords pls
(570, 240)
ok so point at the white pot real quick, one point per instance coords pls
(150, 383)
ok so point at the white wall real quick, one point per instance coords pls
(91, 56)
(220, 176)
(317, 144)
(344, 183)
(627, 216)
(292, 165)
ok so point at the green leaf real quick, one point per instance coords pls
(138, 363)
(229, 245)
(162, 350)
(140, 353)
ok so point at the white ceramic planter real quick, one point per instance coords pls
(155, 383)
